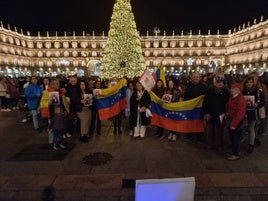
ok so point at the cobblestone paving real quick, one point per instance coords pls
(70, 179)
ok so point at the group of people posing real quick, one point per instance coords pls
(239, 105)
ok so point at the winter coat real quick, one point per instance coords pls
(30, 93)
(58, 122)
(145, 101)
(74, 93)
(13, 91)
(236, 109)
(215, 102)
(194, 90)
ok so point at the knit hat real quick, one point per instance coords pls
(238, 86)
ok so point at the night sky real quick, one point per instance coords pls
(89, 15)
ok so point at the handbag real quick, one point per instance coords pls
(262, 113)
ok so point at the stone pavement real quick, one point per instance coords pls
(69, 179)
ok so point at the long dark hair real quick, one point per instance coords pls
(86, 85)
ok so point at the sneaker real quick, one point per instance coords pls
(174, 138)
(56, 146)
(169, 136)
(8, 110)
(17, 108)
(233, 158)
(68, 135)
(84, 139)
(64, 136)
(24, 120)
(162, 136)
(62, 146)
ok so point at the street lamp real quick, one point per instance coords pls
(190, 62)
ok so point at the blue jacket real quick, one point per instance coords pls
(30, 93)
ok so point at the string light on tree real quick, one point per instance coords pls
(122, 53)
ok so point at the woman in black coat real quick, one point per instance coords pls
(140, 101)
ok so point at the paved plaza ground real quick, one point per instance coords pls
(31, 171)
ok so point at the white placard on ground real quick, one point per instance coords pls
(173, 189)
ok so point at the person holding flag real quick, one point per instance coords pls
(194, 89)
(159, 90)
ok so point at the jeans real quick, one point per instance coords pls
(235, 137)
(58, 136)
(94, 118)
(50, 134)
(252, 131)
(3, 102)
(14, 102)
(35, 119)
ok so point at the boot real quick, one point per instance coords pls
(250, 149)
(84, 139)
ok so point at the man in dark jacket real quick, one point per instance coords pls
(214, 107)
(194, 89)
(73, 93)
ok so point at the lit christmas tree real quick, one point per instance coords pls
(122, 53)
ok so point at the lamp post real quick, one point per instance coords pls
(190, 62)
(64, 63)
(209, 60)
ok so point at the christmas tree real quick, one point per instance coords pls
(122, 53)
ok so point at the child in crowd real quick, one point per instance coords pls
(58, 125)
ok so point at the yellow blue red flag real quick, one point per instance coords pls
(112, 100)
(185, 116)
(160, 74)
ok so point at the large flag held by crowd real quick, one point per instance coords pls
(185, 116)
(112, 101)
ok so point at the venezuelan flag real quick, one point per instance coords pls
(112, 100)
(185, 116)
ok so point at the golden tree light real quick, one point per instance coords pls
(123, 45)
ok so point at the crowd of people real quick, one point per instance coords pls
(239, 103)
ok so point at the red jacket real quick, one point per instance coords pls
(236, 109)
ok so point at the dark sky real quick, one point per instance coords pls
(89, 15)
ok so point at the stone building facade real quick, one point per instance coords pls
(242, 50)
